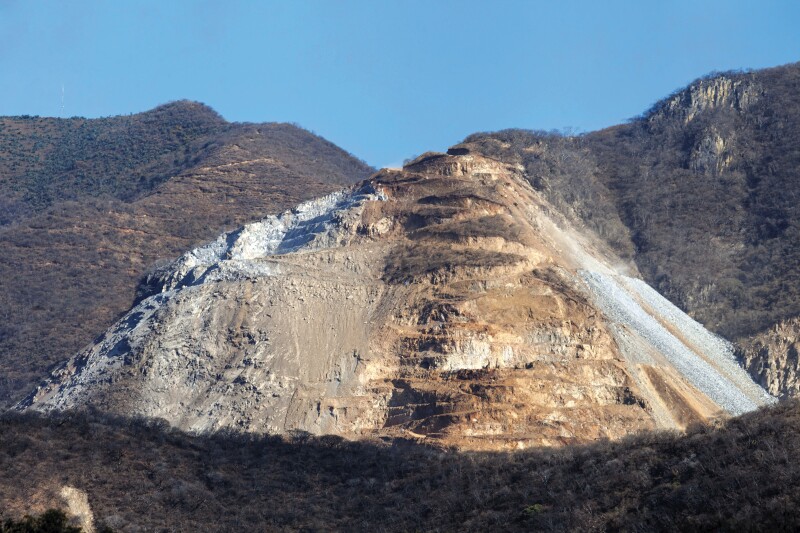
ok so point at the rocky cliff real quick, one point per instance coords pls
(448, 301)
(773, 358)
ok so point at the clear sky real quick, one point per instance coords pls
(384, 80)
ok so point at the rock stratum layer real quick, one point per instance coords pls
(446, 301)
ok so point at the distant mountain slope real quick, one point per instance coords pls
(88, 205)
(47, 160)
(702, 191)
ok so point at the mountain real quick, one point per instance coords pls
(448, 301)
(489, 299)
(701, 191)
(88, 205)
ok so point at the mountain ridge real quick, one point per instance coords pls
(491, 298)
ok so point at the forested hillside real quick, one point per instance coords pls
(740, 476)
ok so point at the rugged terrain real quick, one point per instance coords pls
(773, 357)
(447, 301)
(89, 205)
(701, 191)
(491, 298)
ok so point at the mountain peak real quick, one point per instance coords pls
(734, 91)
(461, 164)
(186, 111)
(447, 301)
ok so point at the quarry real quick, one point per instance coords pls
(446, 302)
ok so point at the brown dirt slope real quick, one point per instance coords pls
(448, 301)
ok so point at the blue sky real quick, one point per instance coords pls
(384, 80)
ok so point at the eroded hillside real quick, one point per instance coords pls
(447, 301)
(91, 204)
(701, 191)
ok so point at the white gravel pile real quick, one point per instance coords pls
(714, 373)
(698, 337)
(311, 225)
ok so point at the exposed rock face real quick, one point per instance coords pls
(448, 301)
(710, 93)
(773, 357)
(712, 153)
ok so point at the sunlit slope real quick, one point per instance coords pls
(447, 301)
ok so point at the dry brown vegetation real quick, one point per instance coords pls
(742, 476)
(701, 190)
(75, 247)
(716, 232)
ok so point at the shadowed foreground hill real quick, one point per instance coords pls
(88, 205)
(743, 476)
